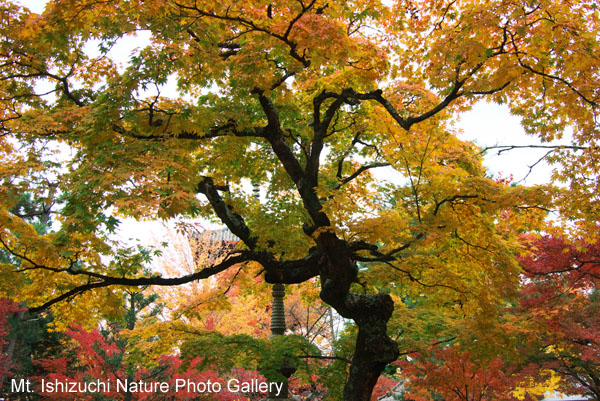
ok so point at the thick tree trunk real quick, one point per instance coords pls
(374, 348)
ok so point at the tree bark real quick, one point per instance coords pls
(374, 349)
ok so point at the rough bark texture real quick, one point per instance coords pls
(374, 348)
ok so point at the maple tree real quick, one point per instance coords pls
(461, 372)
(112, 357)
(230, 312)
(6, 307)
(562, 294)
(454, 376)
(306, 99)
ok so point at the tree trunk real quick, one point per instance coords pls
(371, 312)
(373, 349)
(10, 351)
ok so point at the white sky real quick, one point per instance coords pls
(488, 124)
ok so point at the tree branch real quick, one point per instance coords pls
(232, 220)
(360, 170)
(253, 26)
(305, 184)
(506, 148)
(105, 281)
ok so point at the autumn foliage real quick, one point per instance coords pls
(562, 295)
(94, 359)
(7, 308)
(458, 376)
(343, 115)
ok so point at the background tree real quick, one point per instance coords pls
(7, 308)
(113, 354)
(218, 314)
(562, 296)
(24, 336)
(306, 99)
(455, 376)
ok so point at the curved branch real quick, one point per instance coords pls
(506, 148)
(360, 170)
(253, 26)
(232, 220)
(105, 281)
(305, 184)
(291, 272)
